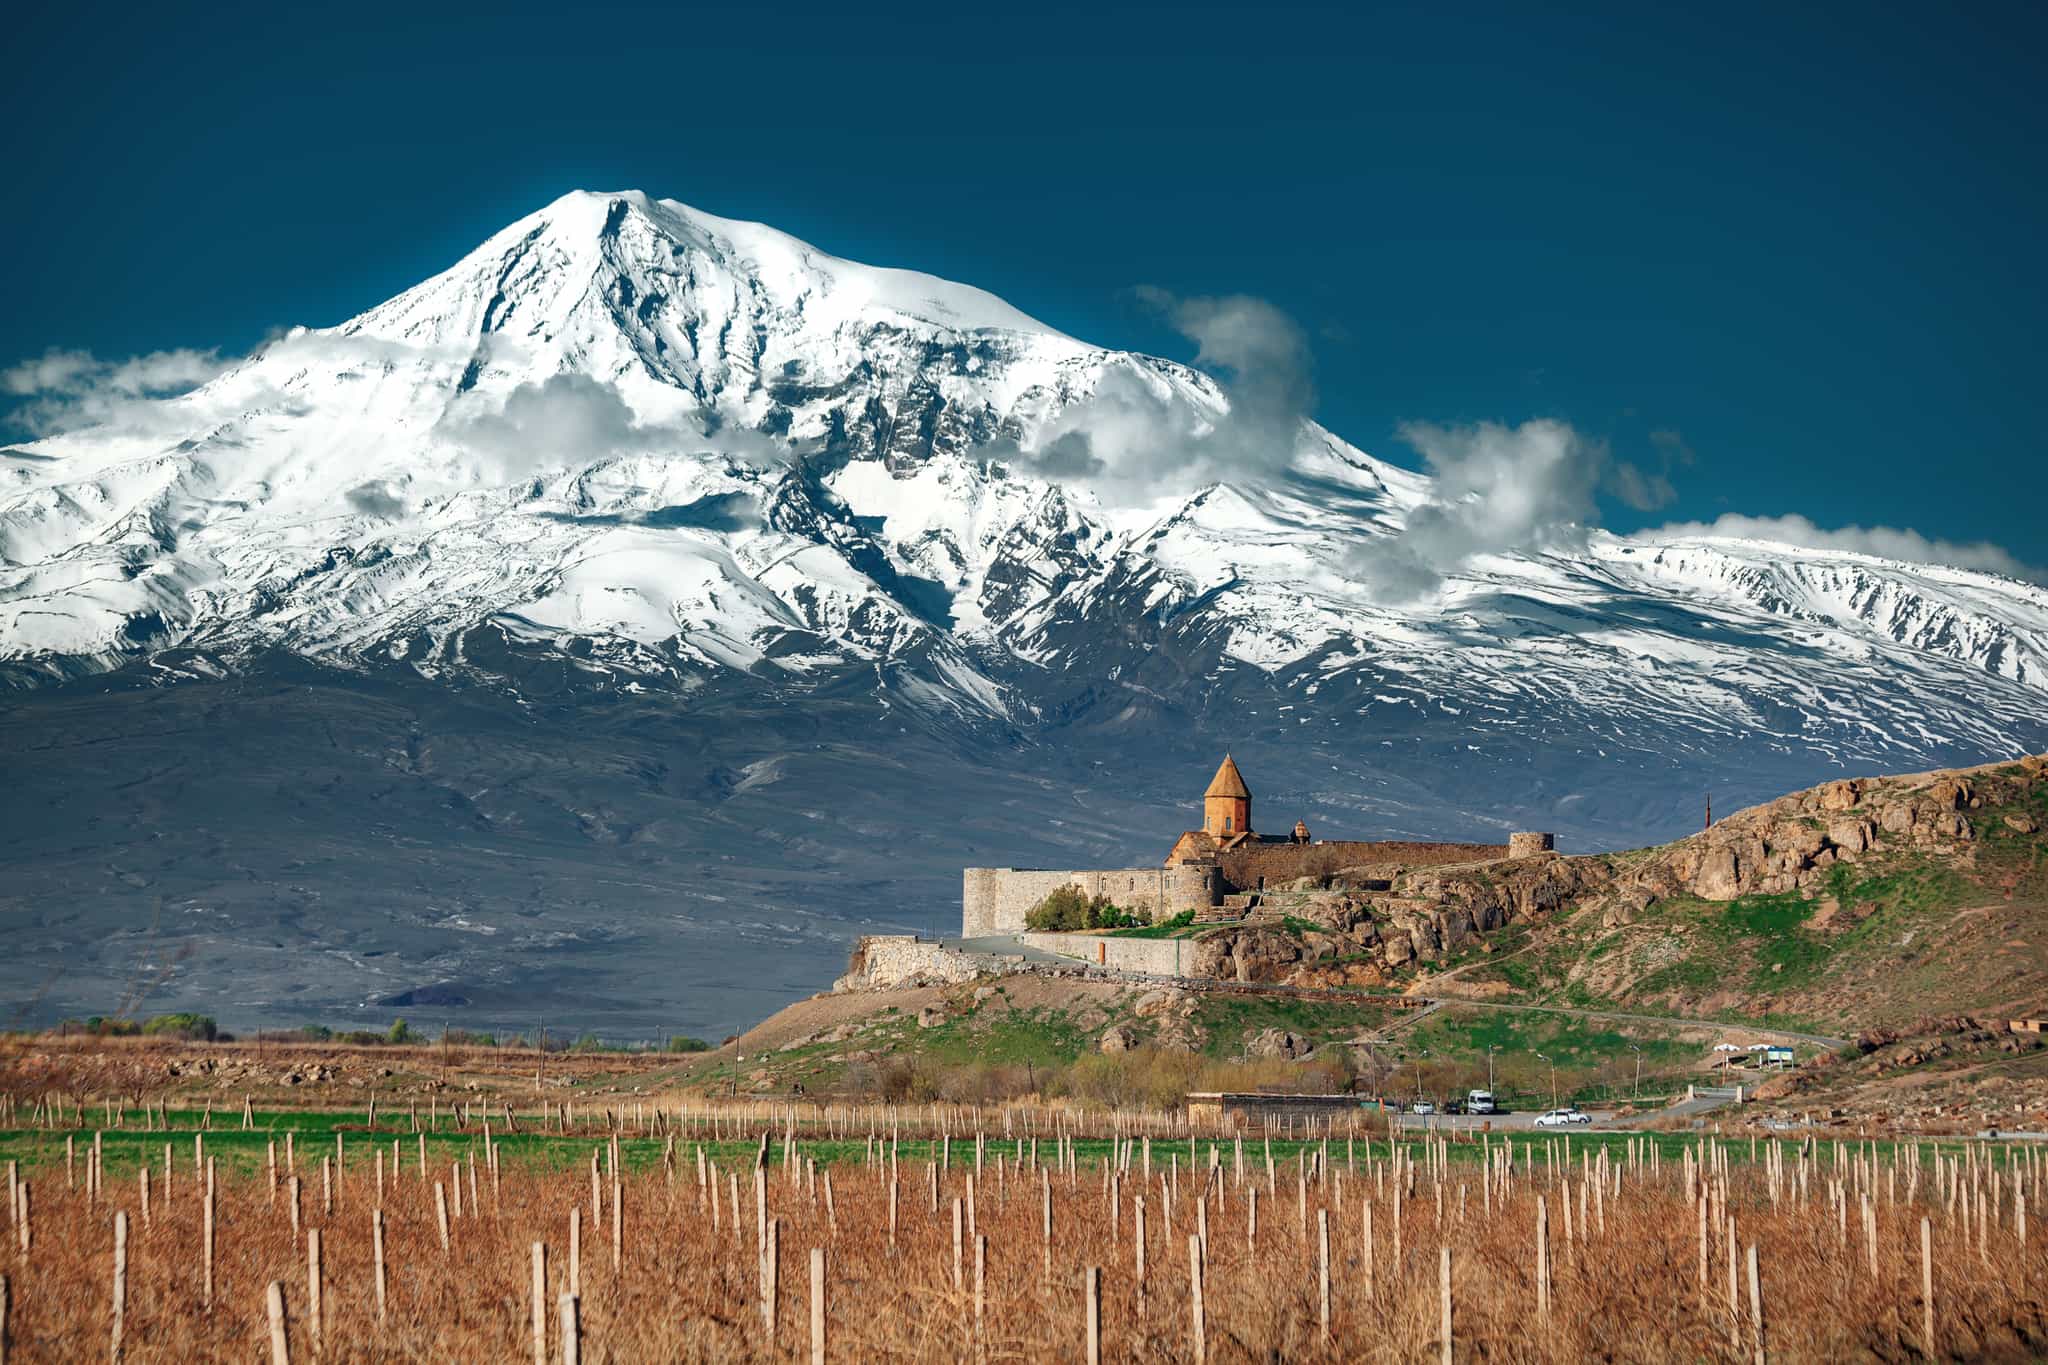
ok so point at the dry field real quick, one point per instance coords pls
(721, 1234)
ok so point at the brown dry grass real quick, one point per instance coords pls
(688, 1291)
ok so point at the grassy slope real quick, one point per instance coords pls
(1893, 938)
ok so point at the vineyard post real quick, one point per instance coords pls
(576, 1251)
(1542, 1258)
(441, 1213)
(280, 1344)
(5, 1306)
(313, 1288)
(1756, 1306)
(1367, 1231)
(540, 1303)
(1093, 1311)
(1321, 1237)
(817, 1306)
(572, 1331)
(206, 1239)
(1444, 1293)
(293, 1191)
(980, 1292)
(1198, 1322)
(771, 1272)
(120, 1281)
(1927, 1286)
(377, 1258)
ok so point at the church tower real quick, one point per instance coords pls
(1227, 805)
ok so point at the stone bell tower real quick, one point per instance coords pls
(1227, 805)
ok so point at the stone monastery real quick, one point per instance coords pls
(1224, 863)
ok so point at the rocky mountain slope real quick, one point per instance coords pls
(631, 535)
(1860, 903)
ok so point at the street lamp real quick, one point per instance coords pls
(1489, 1066)
(1553, 1080)
(1638, 1093)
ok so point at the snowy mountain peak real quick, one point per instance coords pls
(665, 448)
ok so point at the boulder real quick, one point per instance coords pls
(1841, 796)
(1274, 1042)
(1718, 878)
(2021, 824)
(1120, 1038)
(1850, 835)
(931, 1016)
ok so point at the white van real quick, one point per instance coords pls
(1479, 1102)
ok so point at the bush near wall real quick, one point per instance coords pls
(1069, 908)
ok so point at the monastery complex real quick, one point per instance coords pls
(1221, 867)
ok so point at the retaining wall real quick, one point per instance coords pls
(1156, 956)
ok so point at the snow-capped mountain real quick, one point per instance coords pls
(691, 444)
(628, 449)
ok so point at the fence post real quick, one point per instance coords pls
(1444, 1287)
(1094, 1315)
(1199, 1324)
(817, 1306)
(540, 1303)
(280, 1344)
(1927, 1285)
(572, 1331)
(120, 1281)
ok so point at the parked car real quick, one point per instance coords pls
(1480, 1102)
(1562, 1118)
(1422, 1107)
(1454, 1106)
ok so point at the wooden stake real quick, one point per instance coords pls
(1444, 1292)
(540, 1303)
(1323, 1270)
(817, 1306)
(377, 1257)
(120, 1282)
(1199, 1323)
(572, 1331)
(1756, 1308)
(313, 1287)
(1927, 1287)
(280, 1345)
(1094, 1315)
(441, 1212)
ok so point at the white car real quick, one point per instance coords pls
(1562, 1118)
(1422, 1107)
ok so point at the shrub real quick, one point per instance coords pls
(191, 1027)
(399, 1032)
(684, 1043)
(1068, 908)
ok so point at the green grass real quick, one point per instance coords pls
(1232, 1019)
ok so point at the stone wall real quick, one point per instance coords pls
(994, 900)
(1158, 956)
(881, 961)
(1280, 863)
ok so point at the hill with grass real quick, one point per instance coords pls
(1878, 927)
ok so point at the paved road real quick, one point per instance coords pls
(1525, 1120)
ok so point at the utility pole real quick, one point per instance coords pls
(1553, 1079)
(1638, 1093)
(1489, 1066)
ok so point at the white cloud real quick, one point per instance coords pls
(64, 390)
(1137, 436)
(1498, 489)
(1885, 542)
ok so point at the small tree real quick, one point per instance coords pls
(400, 1032)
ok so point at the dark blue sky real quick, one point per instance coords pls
(1806, 241)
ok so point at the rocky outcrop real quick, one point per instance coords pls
(1789, 845)
(1370, 926)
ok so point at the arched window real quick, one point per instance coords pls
(1226, 824)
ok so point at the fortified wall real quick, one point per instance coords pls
(994, 900)
(1226, 857)
(1255, 867)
